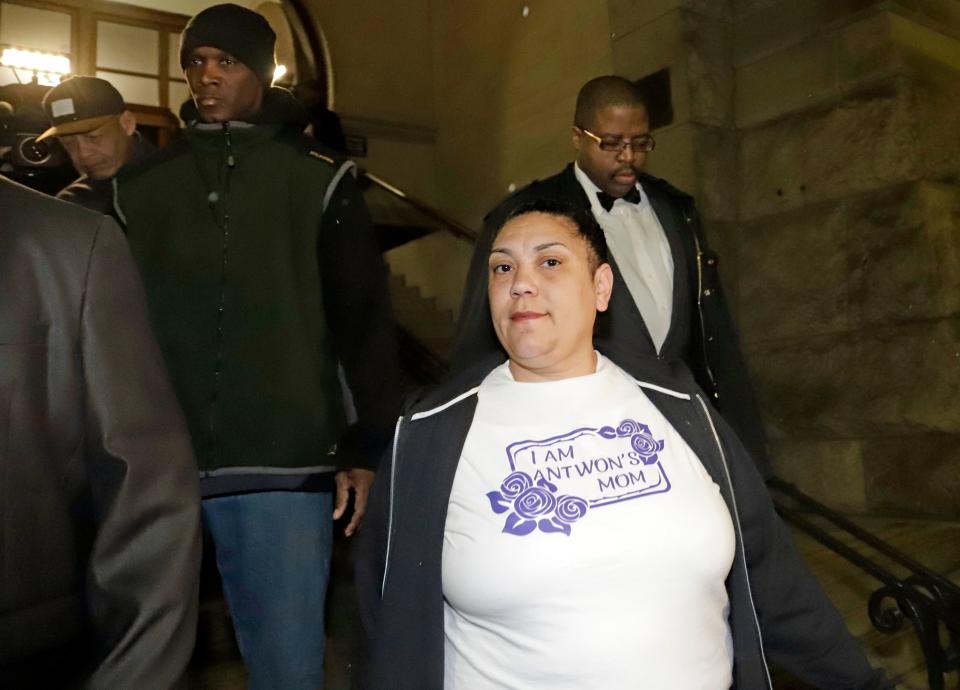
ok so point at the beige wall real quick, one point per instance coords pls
(459, 101)
(381, 58)
(494, 87)
(383, 85)
(505, 89)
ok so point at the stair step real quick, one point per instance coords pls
(849, 588)
(433, 327)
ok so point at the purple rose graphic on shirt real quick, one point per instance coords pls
(640, 437)
(515, 484)
(535, 506)
(570, 508)
(534, 502)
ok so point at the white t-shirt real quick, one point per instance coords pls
(585, 545)
(640, 247)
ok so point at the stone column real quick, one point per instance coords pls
(697, 150)
(821, 140)
(849, 238)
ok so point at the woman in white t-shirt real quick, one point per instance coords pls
(554, 522)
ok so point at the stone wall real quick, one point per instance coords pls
(822, 140)
(849, 219)
(505, 80)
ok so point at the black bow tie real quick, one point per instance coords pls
(633, 196)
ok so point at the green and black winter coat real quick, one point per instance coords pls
(263, 275)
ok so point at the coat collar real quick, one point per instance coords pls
(279, 107)
(649, 373)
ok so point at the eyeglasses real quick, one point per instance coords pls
(642, 144)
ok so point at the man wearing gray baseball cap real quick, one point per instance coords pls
(89, 118)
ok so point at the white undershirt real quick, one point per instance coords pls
(606, 577)
(640, 247)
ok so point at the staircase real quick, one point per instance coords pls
(427, 254)
(421, 317)
(933, 543)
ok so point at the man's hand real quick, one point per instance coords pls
(360, 481)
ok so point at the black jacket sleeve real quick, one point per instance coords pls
(142, 579)
(802, 631)
(475, 335)
(370, 560)
(357, 307)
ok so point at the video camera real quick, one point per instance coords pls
(43, 165)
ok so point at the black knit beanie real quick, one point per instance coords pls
(233, 29)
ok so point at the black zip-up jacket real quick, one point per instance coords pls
(702, 334)
(264, 278)
(778, 612)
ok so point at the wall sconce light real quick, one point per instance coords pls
(278, 73)
(45, 67)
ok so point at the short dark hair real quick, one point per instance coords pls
(582, 219)
(603, 92)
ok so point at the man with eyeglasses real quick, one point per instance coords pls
(667, 298)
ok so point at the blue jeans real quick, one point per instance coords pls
(273, 553)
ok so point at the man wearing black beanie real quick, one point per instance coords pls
(236, 30)
(264, 278)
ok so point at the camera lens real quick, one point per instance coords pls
(35, 152)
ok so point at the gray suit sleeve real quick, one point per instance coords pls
(142, 579)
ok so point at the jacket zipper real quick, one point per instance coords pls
(393, 475)
(736, 520)
(733, 499)
(703, 327)
(217, 200)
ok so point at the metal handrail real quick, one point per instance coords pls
(454, 227)
(929, 601)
